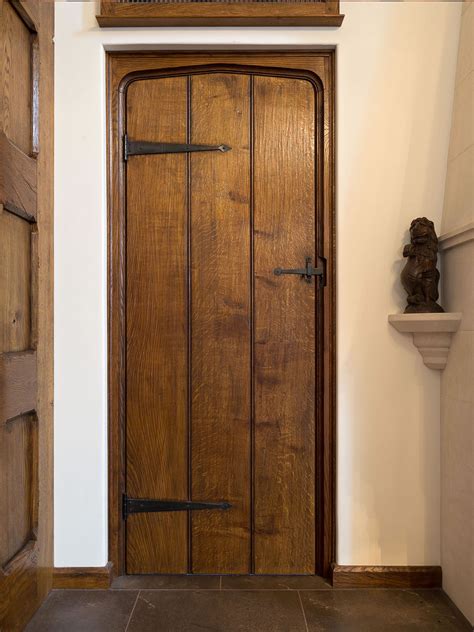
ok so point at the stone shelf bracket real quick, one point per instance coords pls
(432, 334)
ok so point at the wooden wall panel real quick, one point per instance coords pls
(17, 180)
(17, 74)
(220, 307)
(18, 384)
(26, 308)
(15, 283)
(19, 484)
(157, 428)
(284, 219)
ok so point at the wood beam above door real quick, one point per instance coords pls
(236, 13)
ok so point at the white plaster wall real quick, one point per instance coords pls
(457, 383)
(395, 81)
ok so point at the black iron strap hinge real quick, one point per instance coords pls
(143, 148)
(308, 272)
(148, 505)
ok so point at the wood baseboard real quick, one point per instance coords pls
(82, 577)
(386, 576)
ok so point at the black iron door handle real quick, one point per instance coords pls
(306, 273)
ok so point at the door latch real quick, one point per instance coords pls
(308, 272)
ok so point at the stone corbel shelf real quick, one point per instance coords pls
(431, 334)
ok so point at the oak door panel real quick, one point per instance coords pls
(26, 297)
(15, 283)
(19, 483)
(220, 352)
(220, 322)
(157, 327)
(284, 221)
(17, 75)
(267, 535)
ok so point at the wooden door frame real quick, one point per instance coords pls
(317, 65)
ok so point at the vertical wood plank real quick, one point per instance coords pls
(157, 327)
(220, 251)
(42, 296)
(284, 219)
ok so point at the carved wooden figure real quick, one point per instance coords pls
(420, 277)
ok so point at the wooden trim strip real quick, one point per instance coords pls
(94, 577)
(17, 180)
(386, 576)
(17, 384)
(118, 22)
(114, 14)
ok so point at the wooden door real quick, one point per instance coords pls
(26, 207)
(224, 274)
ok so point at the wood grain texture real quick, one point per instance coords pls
(29, 12)
(15, 284)
(82, 578)
(17, 180)
(26, 283)
(220, 14)
(317, 66)
(220, 307)
(43, 295)
(386, 576)
(19, 484)
(16, 78)
(284, 219)
(18, 384)
(157, 327)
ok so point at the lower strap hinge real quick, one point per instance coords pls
(149, 505)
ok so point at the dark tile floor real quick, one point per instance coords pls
(241, 604)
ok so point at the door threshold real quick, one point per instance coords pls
(220, 582)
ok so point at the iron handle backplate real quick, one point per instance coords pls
(306, 273)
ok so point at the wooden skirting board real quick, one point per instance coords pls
(93, 577)
(342, 577)
(386, 576)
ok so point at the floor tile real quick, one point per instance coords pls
(84, 611)
(376, 610)
(274, 582)
(219, 611)
(166, 582)
(442, 606)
